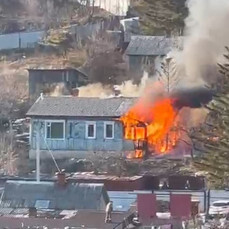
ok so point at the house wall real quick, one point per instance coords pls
(75, 143)
(38, 80)
(137, 64)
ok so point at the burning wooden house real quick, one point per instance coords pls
(80, 127)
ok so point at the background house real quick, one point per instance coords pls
(45, 80)
(147, 51)
(78, 127)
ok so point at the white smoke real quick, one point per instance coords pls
(95, 90)
(129, 89)
(206, 36)
(126, 89)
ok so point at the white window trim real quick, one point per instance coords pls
(86, 132)
(108, 123)
(54, 121)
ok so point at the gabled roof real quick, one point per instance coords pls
(152, 45)
(73, 196)
(68, 106)
(57, 69)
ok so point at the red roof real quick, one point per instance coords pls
(112, 183)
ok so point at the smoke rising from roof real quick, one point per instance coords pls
(126, 89)
(205, 39)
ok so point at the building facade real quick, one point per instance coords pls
(78, 127)
(145, 53)
(45, 80)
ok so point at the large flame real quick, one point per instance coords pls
(155, 123)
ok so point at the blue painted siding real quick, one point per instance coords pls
(75, 137)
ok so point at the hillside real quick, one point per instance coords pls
(18, 15)
(160, 17)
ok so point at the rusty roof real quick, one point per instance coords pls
(82, 219)
(92, 176)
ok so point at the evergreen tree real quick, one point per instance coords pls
(160, 17)
(211, 140)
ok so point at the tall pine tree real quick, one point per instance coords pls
(212, 139)
(160, 17)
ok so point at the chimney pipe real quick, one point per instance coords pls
(61, 178)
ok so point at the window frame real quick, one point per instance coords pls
(105, 125)
(54, 121)
(86, 132)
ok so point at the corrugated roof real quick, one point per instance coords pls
(92, 176)
(68, 106)
(24, 194)
(152, 45)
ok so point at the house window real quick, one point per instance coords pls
(42, 204)
(71, 130)
(65, 76)
(55, 130)
(91, 130)
(109, 130)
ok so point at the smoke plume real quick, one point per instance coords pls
(193, 98)
(205, 39)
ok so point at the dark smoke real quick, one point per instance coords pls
(193, 98)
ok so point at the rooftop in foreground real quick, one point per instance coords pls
(76, 219)
(52, 195)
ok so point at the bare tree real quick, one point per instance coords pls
(168, 75)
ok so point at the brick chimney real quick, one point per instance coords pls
(75, 92)
(61, 178)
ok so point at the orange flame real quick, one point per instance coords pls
(138, 154)
(155, 123)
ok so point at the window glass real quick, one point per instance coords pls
(55, 130)
(42, 204)
(91, 130)
(109, 131)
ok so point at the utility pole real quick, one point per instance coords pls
(38, 156)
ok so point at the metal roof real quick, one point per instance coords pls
(92, 176)
(82, 219)
(122, 201)
(57, 69)
(152, 45)
(68, 106)
(24, 194)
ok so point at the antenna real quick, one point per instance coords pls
(38, 156)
